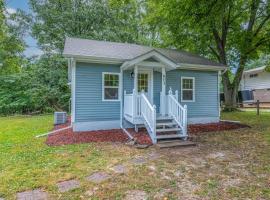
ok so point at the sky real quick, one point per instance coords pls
(32, 47)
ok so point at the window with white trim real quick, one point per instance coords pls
(187, 89)
(110, 86)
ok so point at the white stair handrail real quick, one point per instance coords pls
(148, 112)
(178, 112)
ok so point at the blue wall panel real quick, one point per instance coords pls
(90, 107)
(206, 91)
(89, 104)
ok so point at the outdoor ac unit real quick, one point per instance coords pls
(60, 118)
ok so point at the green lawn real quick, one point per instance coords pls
(27, 163)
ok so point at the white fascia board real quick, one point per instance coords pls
(200, 67)
(93, 59)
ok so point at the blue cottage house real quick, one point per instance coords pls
(120, 85)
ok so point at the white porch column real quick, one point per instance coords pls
(136, 78)
(163, 93)
(135, 91)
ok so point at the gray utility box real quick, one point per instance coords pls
(60, 118)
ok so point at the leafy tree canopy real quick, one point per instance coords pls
(231, 32)
(11, 43)
(93, 19)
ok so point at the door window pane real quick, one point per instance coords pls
(142, 82)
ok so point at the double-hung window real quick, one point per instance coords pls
(187, 89)
(110, 86)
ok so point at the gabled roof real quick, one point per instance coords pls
(258, 69)
(124, 52)
(154, 55)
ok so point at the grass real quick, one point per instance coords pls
(27, 163)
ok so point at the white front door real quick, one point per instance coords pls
(144, 82)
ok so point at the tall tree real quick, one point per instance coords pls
(92, 19)
(11, 43)
(231, 32)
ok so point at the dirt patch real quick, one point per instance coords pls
(141, 137)
(136, 195)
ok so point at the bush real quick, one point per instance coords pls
(39, 88)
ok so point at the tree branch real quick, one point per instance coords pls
(258, 44)
(215, 53)
(261, 25)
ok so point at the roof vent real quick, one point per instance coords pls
(60, 118)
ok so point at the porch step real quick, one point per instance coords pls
(175, 143)
(160, 130)
(166, 124)
(169, 136)
(160, 117)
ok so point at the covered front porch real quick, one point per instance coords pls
(146, 101)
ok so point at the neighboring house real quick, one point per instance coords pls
(256, 82)
(120, 85)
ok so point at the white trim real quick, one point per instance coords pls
(202, 120)
(218, 92)
(107, 60)
(200, 67)
(163, 92)
(103, 87)
(193, 89)
(73, 89)
(96, 125)
(94, 59)
(121, 98)
(168, 63)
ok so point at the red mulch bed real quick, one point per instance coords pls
(195, 129)
(69, 137)
(117, 135)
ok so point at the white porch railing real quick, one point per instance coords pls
(148, 112)
(132, 105)
(128, 105)
(164, 102)
(178, 112)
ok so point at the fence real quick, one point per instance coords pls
(258, 105)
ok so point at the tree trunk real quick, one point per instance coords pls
(230, 95)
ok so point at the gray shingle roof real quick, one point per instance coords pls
(125, 51)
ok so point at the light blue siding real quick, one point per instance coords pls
(128, 81)
(89, 104)
(90, 107)
(206, 91)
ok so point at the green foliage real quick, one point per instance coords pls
(264, 60)
(41, 87)
(90, 19)
(230, 32)
(11, 43)
(197, 26)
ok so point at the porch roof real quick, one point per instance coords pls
(152, 54)
(122, 52)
